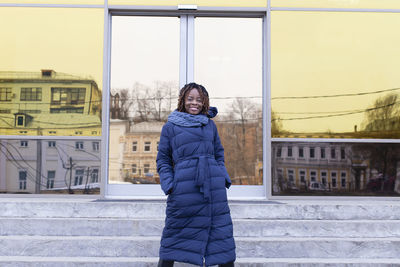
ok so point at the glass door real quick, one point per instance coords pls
(152, 57)
(228, 61)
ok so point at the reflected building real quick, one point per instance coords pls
(242, 144)
(118, 130)
(49, 166)
(335, 168)
(49, 103)
(318, 167)
(140, 152)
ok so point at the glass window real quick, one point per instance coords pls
(342, 153)
(144, 87)
(369, 169)
(382, 4)
(147, 146)
(50, 69)
(312, 152)
(313, 176)
(50, 179)
(59, 160)
(62, 2)
(279, 152)
(79, 176)
(301, 152)
(67, 96)
(31, 94)
(134, 146)
(302, 174)
(23, 143)
(96, 146)
(22, 180)
(94, 176)
(223, 46)
(134, 168)
(20, 120)
(291, 176)
(334, 179)
(146, 168)
(5, 94)
(289, 151)
(333, 153)
(324, 178)
(322, 150)
(343, 176)
(338, 87)
(51, 143)
(79, 145)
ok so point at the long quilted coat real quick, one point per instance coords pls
(190, 162)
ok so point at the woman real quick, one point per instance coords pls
(192, 171)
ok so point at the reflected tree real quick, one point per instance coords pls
(147, 103)
(241, 134)
(383, 158)
(383, 115)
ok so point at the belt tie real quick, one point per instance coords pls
(202, 178)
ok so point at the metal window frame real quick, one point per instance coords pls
(186, 75)
(211, 11)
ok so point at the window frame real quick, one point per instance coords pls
(7, 94)
(147, 146)
(22, 183)
(50, 180)
(35, 94)
(78, 177)
(79, 145)
(24, 143)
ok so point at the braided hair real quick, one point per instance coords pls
(202, 92)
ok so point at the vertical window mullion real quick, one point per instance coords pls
(183, 51)
(190, 49)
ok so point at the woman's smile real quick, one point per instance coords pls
(193, 102)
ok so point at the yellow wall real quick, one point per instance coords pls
(213, 3)
(382, 4)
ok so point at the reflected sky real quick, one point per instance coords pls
(67, 40)
(228, 55)
(337, 3)
(352, 56)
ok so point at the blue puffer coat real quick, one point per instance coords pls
(190, 163)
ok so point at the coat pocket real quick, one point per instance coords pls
(228, 181)
(173, 188)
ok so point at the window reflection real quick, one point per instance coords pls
(362, 169)
(382, 4)
(334, 75)
(50, 73)
(228, 62)
(49, 167)
(144, 88)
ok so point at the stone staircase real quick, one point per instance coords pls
(89, 232)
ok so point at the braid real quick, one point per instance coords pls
(202, 92)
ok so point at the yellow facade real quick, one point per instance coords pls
(49, 103)
(140, 152)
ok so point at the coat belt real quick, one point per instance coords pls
(202, 178)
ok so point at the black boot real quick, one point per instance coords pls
(164, 263)
(229, 264)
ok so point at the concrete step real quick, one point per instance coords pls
(242, 227)
(152, 262)
(277, 210)
(248, 247)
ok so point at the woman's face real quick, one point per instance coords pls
(193, 102)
